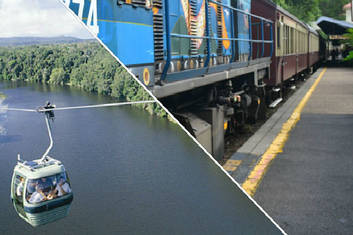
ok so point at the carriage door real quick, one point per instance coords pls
(18, 189)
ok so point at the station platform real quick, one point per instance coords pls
(299, 165)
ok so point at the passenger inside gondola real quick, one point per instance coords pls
(61, 188)
(20, 187)
(47, 188)
(46, 183)
(37, 190)
(37, 196)
(31, 187)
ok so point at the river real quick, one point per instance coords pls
(130, 172)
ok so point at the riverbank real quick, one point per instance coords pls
(87, 66)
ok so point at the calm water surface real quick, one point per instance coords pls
(131, 173)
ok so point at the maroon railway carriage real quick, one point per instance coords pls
(296, 47)
(314, 49)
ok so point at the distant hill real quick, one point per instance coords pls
(23, 41)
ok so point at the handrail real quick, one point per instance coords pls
(216, 38)
(271, 37)
(241, 11)
(262, 38)
(263, 23)
(250, 37)
(167, 31)
(208, 35)
(234, 52)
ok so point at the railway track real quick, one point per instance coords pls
(234, 141)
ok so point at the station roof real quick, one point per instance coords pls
(332, 26)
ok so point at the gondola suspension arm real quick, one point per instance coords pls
(50, 138)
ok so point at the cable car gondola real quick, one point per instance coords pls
(40, 190)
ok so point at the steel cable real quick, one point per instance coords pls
(42, 109)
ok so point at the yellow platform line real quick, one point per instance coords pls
(256, 175)
(232, 165)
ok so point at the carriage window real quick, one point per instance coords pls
(284, 40)
(291, 40)
(288, 45)
(295, 41)
(279, 36)
(301, 42)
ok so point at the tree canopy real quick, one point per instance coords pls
(84, 65)
(333, 9)
(310, 10)
(349, 46)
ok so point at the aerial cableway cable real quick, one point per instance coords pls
(49, 109)
(42, 109)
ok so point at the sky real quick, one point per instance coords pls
(38, 18)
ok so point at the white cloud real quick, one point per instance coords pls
(43, 18)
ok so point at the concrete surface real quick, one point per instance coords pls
(309, 187)
(256, 146)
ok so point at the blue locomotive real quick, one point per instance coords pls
(215, 64)
(183, 49)
(163, 41)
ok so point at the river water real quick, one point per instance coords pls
(131, 173)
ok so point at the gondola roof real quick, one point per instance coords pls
(37, 169)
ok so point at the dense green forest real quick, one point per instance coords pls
(84, 65)
(349, 43)
(310, 10)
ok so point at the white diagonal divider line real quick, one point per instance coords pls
(172, 116)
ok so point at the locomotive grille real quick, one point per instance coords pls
(193, 26)
(157, 4)
(158, 32)
(219, 28)
(208, 12)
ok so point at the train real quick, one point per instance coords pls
(215, 64)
